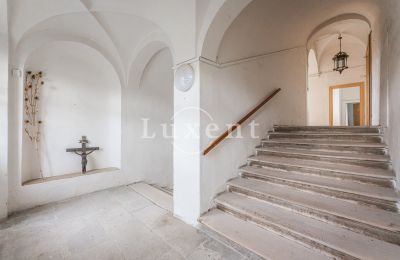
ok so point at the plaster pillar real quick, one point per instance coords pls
(187, 151)
(4, 72)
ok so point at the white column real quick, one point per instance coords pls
(4, 72)
(187, 152)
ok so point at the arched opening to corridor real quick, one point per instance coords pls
(257, 46)
(334, 98)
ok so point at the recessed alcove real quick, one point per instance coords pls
(81, 95)
(150, 107)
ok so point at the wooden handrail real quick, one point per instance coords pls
(240, 122)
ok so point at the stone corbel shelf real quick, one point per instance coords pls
(70, 175)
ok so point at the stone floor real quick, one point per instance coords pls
(112, 224)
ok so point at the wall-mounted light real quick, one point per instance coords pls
(340, 59)
(184, 77)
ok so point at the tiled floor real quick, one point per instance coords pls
(113, 224)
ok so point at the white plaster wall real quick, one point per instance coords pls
(227, 94)
(79, 79)
(377, 34)
(151, 158)
(105, 27)
(186, 166)
(81, 96)
(187, 174)
(336, 107)
(3, 110)
(391, 82)
(318, 92)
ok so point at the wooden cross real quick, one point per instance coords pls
(84, 151)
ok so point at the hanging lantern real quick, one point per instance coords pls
(340, 59)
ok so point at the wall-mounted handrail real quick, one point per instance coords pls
(240, 122)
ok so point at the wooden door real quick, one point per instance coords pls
(356, 114)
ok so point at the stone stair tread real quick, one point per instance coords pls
(337, 167)
(325, 134)
(262, 242)
(330, 142)
(349, 128)
(349, 186)
(326, 234)
(326, 154)
(385, 220)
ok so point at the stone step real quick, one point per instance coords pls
(327, 145)
(369, 160)
(342, 129)
(354, 137)
(265, 243)
(377, 223)
(368, 194)
(335, 240)
(376, 176)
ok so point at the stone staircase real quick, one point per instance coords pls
(313, 193)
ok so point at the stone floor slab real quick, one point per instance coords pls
(118, 223)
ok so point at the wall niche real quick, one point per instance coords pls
(81, 95)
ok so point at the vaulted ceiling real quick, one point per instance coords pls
(266, 26)
(119, 30)
(325, 42)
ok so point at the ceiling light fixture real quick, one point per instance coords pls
(340, 59)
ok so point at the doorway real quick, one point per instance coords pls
(347, 105)
(353, 114)
(323, 44)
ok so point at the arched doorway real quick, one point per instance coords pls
(333, 98)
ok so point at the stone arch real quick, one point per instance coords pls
(36, 37)
(339, 18)
(148, 48)
(350, 17)
(322, 44)
(217, 20)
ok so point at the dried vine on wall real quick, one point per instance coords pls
(32, 123)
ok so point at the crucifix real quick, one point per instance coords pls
(83, 152)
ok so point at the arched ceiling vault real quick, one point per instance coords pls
(265, 26)
(353, 28)
(339, 23)
(142, 59)
(118, 34)
(39, 39)
(219, 16)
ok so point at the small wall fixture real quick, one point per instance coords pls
(184, 77)
(340, 59)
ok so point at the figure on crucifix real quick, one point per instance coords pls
(84, 151)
